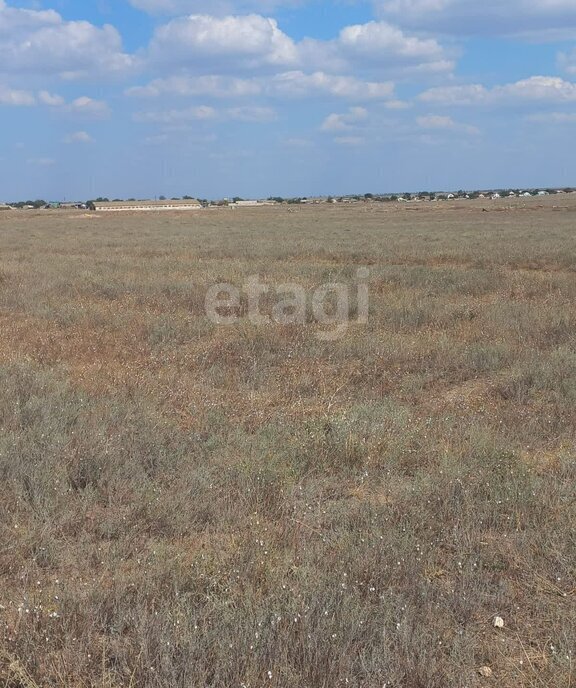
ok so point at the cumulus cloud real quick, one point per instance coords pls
(472, 94)
(175, 116)
(78, 137)
(51, 99)
(88, 107)
(397, 105)
(297, 83)
(545, 88)
(567, 61)
(380, 43)
(205, 112)
(553, 118)
(42, 42)
(251, 113)
(492, 17)
(216, 86)
(14, 97)
(535, 89)
(229, 43)
(181, 7)
(199, 43)
(292, 84)
(349, 140)
(84, 106)
(442, 122)
(208, 56)
(376, 47)
(344, 121)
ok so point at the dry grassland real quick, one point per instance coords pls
(187, 505)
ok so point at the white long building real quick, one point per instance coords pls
(135, 206)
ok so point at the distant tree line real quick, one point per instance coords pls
(39, 203)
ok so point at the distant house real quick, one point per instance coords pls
(4, 206)
(135, 206)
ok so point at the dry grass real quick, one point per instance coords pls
(192, 505)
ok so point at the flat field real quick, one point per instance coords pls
(185, 504)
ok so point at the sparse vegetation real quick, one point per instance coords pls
(192, 505)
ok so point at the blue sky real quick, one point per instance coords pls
(138, 98)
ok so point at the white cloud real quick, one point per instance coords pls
(289, 84)
(201, 112)
(205, 112)
(344, 121)
(9, 96)
(205, 44)
(181, 7)
(43, 43)
(84, 106)
(251, 114)
(173, 7)
(536, 18)
(297, 83)
(349, 140)
(567, 62)
(553, 118)
(377, 48)
(88, 107)
(397, 105)
(442, 122)
(227, 43)
(78, 137)
(456, 95)
(547, 89)
(435, 122)
(211, 85)
(380, 42)
(51, 99)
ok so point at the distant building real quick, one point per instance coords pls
(4, 206)
(245, 204)
(135, 206)
(251, 204)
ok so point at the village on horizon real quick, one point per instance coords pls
(104, 204)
